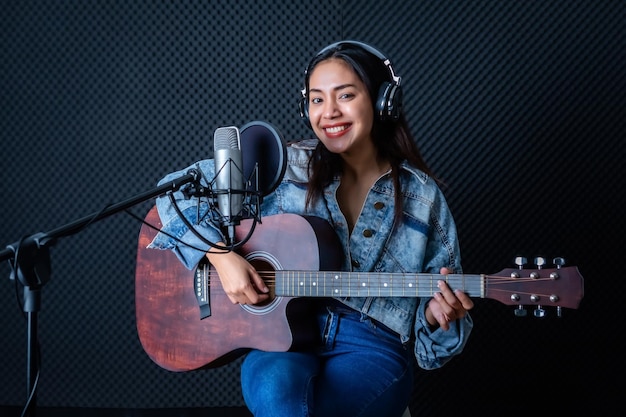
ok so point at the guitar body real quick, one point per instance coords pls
(168, 316)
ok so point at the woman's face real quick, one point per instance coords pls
(340, 108)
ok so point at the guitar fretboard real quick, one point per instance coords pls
(372, 284)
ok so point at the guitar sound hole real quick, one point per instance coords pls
(266, 270)
(265, 264)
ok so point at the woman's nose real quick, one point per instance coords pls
(331, 109)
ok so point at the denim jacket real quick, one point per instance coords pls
(424, 241)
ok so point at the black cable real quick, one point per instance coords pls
(153, 227)
(35, 384)
(193, 229)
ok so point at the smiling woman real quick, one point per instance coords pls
(365, 178)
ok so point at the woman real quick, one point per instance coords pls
(367, 178)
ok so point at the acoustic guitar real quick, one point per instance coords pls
(185, 321)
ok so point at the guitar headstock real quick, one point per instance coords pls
(560, 286)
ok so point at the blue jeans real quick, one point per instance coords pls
(361, 369)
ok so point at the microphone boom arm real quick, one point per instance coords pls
(31, 267)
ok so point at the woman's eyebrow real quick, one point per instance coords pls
(339, 87)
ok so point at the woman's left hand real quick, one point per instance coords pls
(446, 305)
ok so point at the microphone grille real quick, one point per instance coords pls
(226, 138)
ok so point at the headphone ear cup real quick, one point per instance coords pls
(395, 102)
(389, 102)
(303, 107)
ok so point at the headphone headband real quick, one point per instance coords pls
(377, 53)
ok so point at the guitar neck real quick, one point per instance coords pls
(372, 284)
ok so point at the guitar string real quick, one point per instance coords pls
(496, 283)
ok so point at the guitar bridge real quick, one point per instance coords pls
(202, 289)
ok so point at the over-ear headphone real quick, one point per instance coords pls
(388, 104)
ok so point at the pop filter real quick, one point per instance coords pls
(262, 144)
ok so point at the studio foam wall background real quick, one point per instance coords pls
(518, 107)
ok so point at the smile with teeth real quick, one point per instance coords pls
(335, 129)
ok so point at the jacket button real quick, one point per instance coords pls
(367, 233)
(355, 263)
(379, 205)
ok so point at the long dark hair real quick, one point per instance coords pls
(392, 139)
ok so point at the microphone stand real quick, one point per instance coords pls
(31, 267)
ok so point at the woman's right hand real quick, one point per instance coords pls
(240, 281)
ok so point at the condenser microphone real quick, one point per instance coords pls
(229, 182)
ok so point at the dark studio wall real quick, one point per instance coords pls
(519, 107)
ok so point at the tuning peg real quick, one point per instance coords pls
(520, 261)
(559, 262)
(539, 312)
(520, 311)
(559, 311)
(540, 261)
